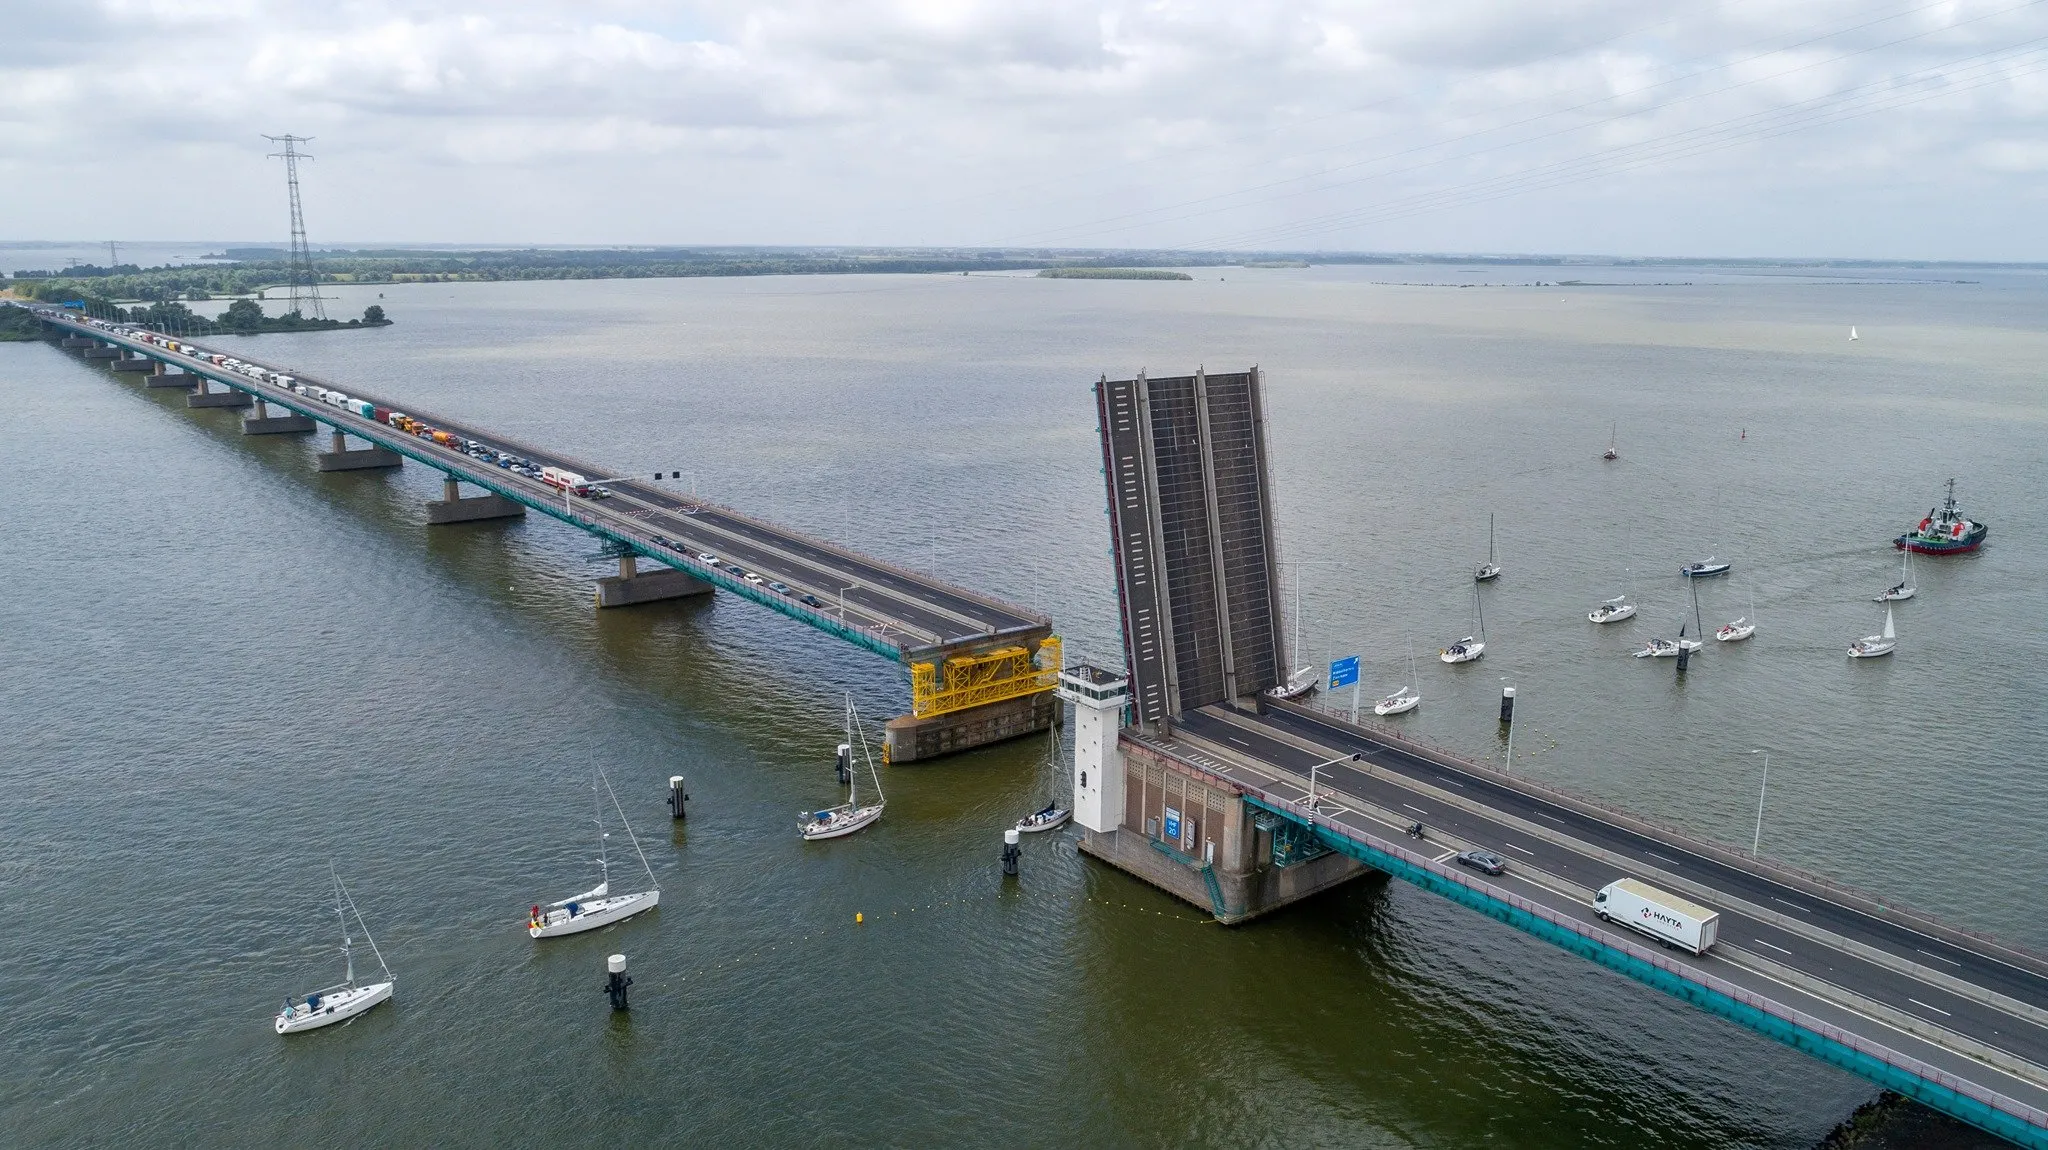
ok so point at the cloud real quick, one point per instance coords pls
(1581, 125)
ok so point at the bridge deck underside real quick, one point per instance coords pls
(888, 609)
(1973, 1015)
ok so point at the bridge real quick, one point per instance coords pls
(1240, 803)
(980, 669)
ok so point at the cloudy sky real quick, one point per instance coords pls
(1730, 127)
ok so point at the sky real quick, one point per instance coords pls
(1633, 127)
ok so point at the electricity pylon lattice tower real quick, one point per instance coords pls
(305, 285)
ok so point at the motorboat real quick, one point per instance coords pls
(851, 815)
(1873, 646)
(1613, 611)
(1050, 818)
(1705, 569)
(345, 999)
(597, 906)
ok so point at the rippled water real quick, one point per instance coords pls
(225, 669)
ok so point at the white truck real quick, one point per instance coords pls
(1665, 917)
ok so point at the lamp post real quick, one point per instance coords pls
(1310, 800)
(1757, 839)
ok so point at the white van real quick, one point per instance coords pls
(1663, 916)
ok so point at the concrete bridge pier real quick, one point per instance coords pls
(908, 739)
(339, 458)
(226, 397)
(104, 351)
(453, 508)
(261, 422)
(75, 343)
(629, 587)
(135, 363)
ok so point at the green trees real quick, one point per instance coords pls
(374, 314)
(243, 315)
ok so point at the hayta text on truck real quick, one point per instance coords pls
(1663, 916)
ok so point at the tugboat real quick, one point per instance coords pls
(1945, 531)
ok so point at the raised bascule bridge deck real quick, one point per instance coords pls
(1189, 775)
(980, 669)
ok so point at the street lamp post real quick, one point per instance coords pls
(1756, 840)
(1310, 800)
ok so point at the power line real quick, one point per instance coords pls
(305, 283)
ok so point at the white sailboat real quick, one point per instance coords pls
(1305, 678)
(1872, 646)
(597, 906)
(1853, 337)
(1611, 453)
(849, 816)
(1404, 699)
(1904, 588)
(1740, 629)
(344, 1000)
(1489, 569)
(1052, 815)
(1468, 648)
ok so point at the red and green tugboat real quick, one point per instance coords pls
(1944, 532)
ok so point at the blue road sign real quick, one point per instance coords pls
(1172, 825)
(1343, 672)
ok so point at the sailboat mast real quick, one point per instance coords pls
(1480, 603)
(852, 776)
(348, 957)
(604, 862)
(1489, 539)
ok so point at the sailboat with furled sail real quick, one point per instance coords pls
(597, 906)
(1305, 678)
(851, 815)
(345, 999)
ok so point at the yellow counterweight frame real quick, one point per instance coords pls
(990, 677)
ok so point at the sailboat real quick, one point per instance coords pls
(1904, 588)
(1305, 678)
(1871, 646)
(1468, 648)
(849, 816)
(1052, 815)
(1740, 629)
(1853, 337)
(1611, 453)
(1404, 699)
(344, 1000)
(597, 906)
(1488, 569)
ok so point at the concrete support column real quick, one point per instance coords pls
(226, 397)
(451, 490)
(629, 566)
(340, 458)
(629, 587)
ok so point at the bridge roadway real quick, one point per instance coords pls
(1966, 1005)
(893, 611)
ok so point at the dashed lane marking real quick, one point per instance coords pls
(1793, 905)
(1773, 946)
(1524, 850)
(1935, 1009)
(1938, 958)
(1416, 809)
(1446, 855)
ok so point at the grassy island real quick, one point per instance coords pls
(1112, 274)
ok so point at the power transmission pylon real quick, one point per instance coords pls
(305, 283)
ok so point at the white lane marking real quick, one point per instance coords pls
(1238, 741)
(1938, 958)
(1524, 850)
(1548, 815)
(1935, 1009)
(1773, 946)
(1445, 855)
(1453, 782)
(1793, 905)
(1661, 858)
(1416, 809)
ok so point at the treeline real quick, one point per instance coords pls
(242, 317)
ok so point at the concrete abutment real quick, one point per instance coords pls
(340, 458)
(452, 507)
(909, 739)
(630, 587)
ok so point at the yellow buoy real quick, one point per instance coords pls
(857, 916)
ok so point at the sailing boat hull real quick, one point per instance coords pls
(1052, 821)
(337, 1006)
(841, 825)
(593, 914)
(1396, 705)
(1463, 652)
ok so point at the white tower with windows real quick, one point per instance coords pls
(1099, 698)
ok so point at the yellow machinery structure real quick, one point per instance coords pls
(988, 677)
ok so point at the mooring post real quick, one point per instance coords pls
(616, 981)
(1507, 705)
(677, 797)
(1011, 852)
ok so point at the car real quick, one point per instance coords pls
(750, 577)
(707, 559)
(809, 600)
(1485, 861)
(661, 541)
(779, 588)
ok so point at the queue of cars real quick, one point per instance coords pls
(560, 478)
